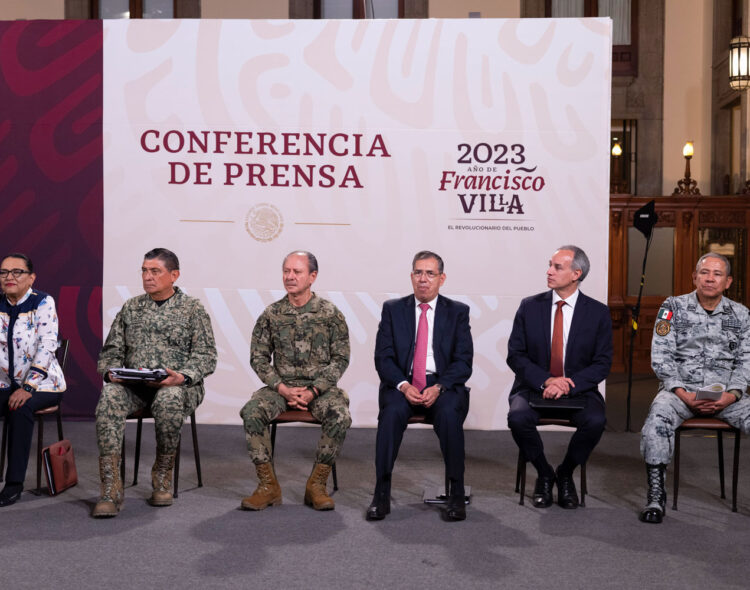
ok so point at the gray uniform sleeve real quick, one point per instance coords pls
(664, 349)
(741, 367)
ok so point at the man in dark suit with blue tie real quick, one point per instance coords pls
(560, 345)
(423, 356)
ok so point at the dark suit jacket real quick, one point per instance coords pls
(452, 345)
(588, 353)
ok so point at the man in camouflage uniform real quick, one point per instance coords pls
(299, 349)
(162, 329)
(700, 339)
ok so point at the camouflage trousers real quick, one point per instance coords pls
(169, 407)
(331, 409)
(666, 414)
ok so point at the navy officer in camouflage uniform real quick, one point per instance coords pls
(299, 349)
(161, 329)
(700, 339)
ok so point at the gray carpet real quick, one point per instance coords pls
(205, 541)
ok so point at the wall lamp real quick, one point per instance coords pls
(687, 186)
(739, 63)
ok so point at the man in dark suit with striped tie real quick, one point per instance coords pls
(560, 346)
(423, 356)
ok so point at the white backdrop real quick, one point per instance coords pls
(235, 142)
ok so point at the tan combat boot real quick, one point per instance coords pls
(315, 490)
(112, 497)
(268, 492)
(161, 480)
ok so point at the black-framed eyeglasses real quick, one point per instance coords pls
(16, 272)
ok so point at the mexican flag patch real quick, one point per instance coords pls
(664, 314)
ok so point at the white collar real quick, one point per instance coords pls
(22, 299)
(571, 300)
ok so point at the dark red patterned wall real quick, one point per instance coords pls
(51, 178)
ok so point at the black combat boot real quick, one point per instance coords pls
(656, 496)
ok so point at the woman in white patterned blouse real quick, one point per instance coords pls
(30, 376)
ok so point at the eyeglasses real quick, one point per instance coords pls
(16, 272)
(430, 274)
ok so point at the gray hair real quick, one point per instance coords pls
(425, 255)
(580, 260)
(312, 262)
(724, 259)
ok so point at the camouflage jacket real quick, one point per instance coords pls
(300, 346)
(691, 348)
(176, 335)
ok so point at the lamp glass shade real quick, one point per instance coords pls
(687, 151)
(616, 150)
(739, 63)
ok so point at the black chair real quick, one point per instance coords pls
(305, 417)
(142, 414)
(719, 426)
(521, 467)
(439, 497)
(62, 359)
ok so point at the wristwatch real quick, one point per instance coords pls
(441, 388)
(27, 387)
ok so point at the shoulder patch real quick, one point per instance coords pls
(662, 327)
(664, 314)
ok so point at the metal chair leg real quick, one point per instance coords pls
(676, 488)
(60, 436)
(196, 451)
(177, 466)
(720, 442)
(4, 446)
(584, 489)
(122, 460)
(59, 424)
(137, 460)
(39, 444)
(735, 469)
(522, 476)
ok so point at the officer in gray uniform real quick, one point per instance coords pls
(161, 329)
(299, 349)
(700, 339)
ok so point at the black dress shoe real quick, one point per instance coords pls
(379, 507)
(566, 492)
(456, 509)
(543, 491)
(10, 496)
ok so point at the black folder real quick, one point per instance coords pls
(538, 402)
